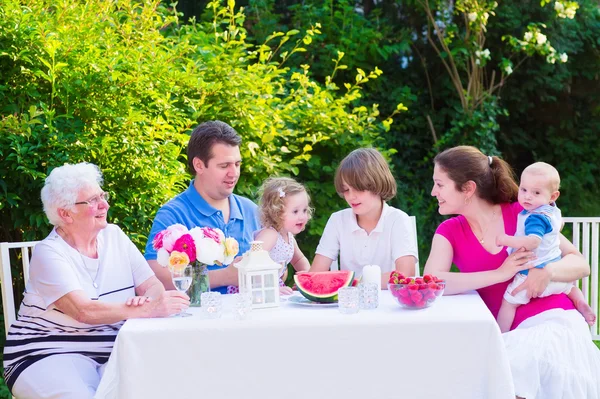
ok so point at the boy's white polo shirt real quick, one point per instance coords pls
(391, 239)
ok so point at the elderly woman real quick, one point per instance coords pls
(85, 278)
(550, 350)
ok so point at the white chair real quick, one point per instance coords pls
(335, 266)
(586, 238)
(8, 301)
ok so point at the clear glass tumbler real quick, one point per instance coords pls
(212, 304)
(348, 300)
(242, 305)
(369, 295)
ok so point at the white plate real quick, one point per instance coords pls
(300, 300)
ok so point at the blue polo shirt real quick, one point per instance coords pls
(191, 210)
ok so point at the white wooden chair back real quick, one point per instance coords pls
(8, 301)
(335, 266)
(586, 239)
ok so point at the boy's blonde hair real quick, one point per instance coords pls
(546, 170)
(274, 191)
(365, 169)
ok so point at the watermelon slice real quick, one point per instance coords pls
(323, 286)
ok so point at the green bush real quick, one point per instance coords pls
(121, 85)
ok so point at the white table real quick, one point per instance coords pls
(451, 350)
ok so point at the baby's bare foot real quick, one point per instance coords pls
(586, 311)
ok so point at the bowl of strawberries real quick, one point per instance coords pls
(415, 292)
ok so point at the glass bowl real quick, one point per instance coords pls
(417, 295)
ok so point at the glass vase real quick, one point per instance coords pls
(200, 283)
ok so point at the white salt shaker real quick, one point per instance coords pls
(372, 274)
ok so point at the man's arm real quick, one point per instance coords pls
(223, 277)
(163, 274)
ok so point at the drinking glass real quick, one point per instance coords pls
(212, 304)
(243, 305)
(348, 300)
(182, 280)
(369, 295)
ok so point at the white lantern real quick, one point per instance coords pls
(258, 275)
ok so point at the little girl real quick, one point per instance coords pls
(370, 231)
(284, 211)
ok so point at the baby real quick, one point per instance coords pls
(538, 230)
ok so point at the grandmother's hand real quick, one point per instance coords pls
(518, 261)
(536, 282)
(168, 303)
(137, 300)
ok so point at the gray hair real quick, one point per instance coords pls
(63, 185)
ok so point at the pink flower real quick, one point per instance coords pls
(157, 243)
(186, 244)
(211, 233)
(172, 234)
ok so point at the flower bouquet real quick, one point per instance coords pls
(177, 247)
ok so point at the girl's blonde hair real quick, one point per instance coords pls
(365, 169)
(274, 191)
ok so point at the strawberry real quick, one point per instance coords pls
(403, 292)
(419, 280)
(432, 285)
(427, 278)
(420, 304)
(416, 296)
(429, 295)
(412, 287)
(406, 300)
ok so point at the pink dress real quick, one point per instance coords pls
(549, 348)
(470, 256)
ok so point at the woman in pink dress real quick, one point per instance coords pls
(549, 346)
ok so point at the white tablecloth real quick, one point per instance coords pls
(451, 350)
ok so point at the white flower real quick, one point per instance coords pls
(551, 59)
(570, 12)
(162, 257)
(472, 16)
(540, 38)
(528, 36)
(477, 61)
(508, 70)
(558, 6)
(495, 5)
(564, 57)
(486, 53)
(209, 252)
(484, 17)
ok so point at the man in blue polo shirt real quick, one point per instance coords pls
(214, 159)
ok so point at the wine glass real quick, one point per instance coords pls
(182, 280)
